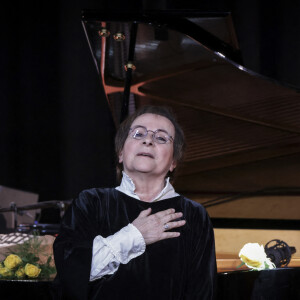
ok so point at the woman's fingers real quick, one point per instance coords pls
(169, 235)
(164, 213)
(171, 217)
(174, 224)
(168, 215)
(145, 213)
(155, 227)
(166, 219)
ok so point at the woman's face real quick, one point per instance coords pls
(145, 155)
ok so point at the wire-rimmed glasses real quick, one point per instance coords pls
(159, 136)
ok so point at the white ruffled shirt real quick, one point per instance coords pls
(127, 243)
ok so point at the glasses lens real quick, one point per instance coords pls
(161, 137)
(139, 133)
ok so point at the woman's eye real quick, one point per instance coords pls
(161, 139)
(138, 135)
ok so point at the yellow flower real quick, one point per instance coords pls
(254, 256)
(32, 271)
(251, 262)
(12, 261)
(20, 272)
(5, 272)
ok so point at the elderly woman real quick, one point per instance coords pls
(140, 240)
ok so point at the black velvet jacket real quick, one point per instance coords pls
(178, 268)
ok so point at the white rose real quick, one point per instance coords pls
(254, 256)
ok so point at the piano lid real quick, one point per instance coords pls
(192, 61)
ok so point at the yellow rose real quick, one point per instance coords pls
(20, 272)
(32, 271)
(12, 261)
(5, 272)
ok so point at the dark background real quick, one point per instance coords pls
(55, 126)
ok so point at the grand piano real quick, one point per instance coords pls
(239, 107)
(230, 73)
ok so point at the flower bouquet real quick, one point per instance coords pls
(25, 262)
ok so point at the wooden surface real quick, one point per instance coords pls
(230, 241)
(231, 264)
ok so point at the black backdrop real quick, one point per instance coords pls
(56, 131)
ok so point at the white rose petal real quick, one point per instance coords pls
(254, 256)
(270, 264)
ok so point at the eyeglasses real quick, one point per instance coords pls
(159, 136)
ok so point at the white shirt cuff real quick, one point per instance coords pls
(126, 244)
(109, 252)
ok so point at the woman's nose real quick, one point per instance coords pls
(148, 139)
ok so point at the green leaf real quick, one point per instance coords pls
(266, 266)
(49, 260)
(242, 263)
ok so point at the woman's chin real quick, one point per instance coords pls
(142, 170)
(145, 170)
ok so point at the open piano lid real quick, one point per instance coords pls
(242, 128)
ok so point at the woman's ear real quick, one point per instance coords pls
(120, 157)
(173, 166)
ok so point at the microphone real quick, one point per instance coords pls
(279, 252)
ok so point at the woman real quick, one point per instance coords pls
(140, 240)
